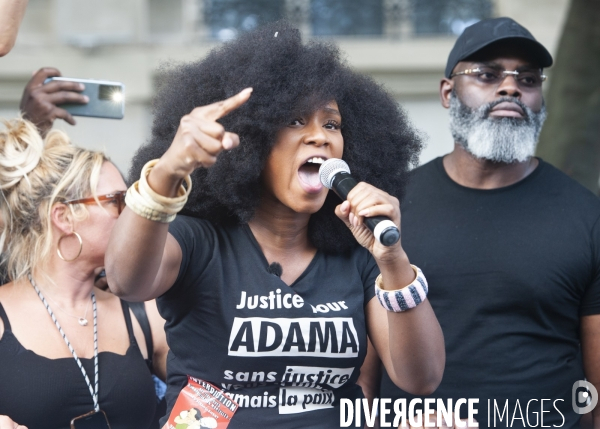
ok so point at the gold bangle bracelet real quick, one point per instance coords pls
(182, 193)
(147, 203)
(140, 206)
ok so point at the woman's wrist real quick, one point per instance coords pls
(396, 272)
(149, 204)
(165, 181)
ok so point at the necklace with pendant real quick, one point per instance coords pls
(81, 320)
(93, 390)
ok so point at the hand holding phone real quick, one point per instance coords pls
(106, 99)
(41, 102)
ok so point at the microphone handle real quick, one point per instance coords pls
(342, 184)
(382, 227)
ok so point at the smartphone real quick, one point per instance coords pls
(91, 420)
(107, 99)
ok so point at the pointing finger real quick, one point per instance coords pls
(219, 109)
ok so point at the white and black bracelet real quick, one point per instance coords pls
(406, 298)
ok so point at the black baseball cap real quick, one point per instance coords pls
(489, 31)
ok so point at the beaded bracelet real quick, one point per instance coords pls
(145, 202)
(406, 298)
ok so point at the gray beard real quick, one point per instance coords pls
(504, 140)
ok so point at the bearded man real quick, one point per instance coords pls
(510, 245)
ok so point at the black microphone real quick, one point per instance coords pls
(335, 175)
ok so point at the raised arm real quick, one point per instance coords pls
(410, 343)
(143, 259)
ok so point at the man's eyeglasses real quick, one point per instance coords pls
(116, 198)
(493, 76)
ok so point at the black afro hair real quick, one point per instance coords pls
(288, 78)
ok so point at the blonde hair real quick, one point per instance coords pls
(35, 174)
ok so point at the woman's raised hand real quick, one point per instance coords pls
(367, 201)
(364, 201)
(199, 139)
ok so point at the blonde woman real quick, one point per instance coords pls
(66, 348)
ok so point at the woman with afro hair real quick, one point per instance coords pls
(266, 279)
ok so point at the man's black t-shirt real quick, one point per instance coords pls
(286, 354)
(510, 273)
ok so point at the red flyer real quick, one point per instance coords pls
(200, 405)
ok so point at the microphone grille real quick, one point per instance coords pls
(330, 168)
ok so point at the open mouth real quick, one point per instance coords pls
(308, 173)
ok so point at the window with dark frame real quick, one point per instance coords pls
(226, 19)
(447, 17)
(346, 17)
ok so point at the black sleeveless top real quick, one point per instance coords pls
(43, 393)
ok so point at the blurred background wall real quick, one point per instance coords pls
(403, 44)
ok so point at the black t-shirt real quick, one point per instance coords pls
(510, 273)
(286, 354)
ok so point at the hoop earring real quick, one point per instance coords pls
(60, 255)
